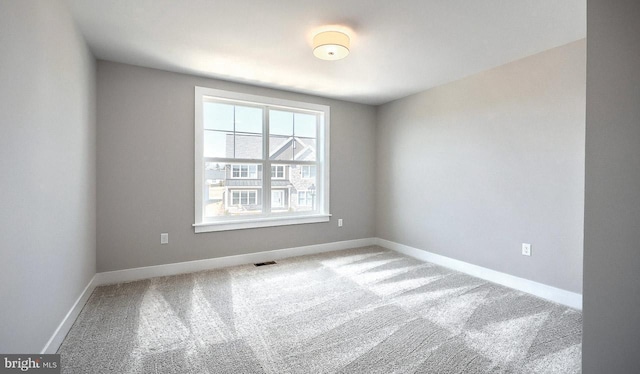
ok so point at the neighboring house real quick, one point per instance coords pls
(237, 188)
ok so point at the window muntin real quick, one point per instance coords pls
(232, 153)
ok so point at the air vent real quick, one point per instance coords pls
(265, 263)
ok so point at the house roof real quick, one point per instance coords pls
(283, 148)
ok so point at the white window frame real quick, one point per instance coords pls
(267, 218)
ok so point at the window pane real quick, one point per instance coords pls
(305, 125)
(305, 134)
(248, 146)
(232, 189)
(217, 116)
(248, 119)
(280, 123)
(218, 144)
(281, 147)
(280, 135)
(305, 149)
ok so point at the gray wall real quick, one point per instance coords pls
(611, 341)
(146, 172)
(47, 164)
(472, 169)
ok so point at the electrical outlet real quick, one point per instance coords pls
(340, 222)
(164, 238)
(526, 249)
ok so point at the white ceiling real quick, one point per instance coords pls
(398, 47)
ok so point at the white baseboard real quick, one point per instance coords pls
(128, 275)
(63, 328)
(560, 296)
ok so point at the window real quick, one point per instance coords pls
(240, 197)
(305, 198)
(308, 171)
(245, 171)
(277, 171)
(260, 161)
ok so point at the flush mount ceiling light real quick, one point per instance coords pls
(331, 45)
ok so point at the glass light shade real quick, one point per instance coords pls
(331, 45)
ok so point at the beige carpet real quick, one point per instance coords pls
(366, 310)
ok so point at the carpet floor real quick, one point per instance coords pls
(364, 310)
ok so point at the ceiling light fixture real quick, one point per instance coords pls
(331, 45)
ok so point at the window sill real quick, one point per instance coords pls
(259, 222)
